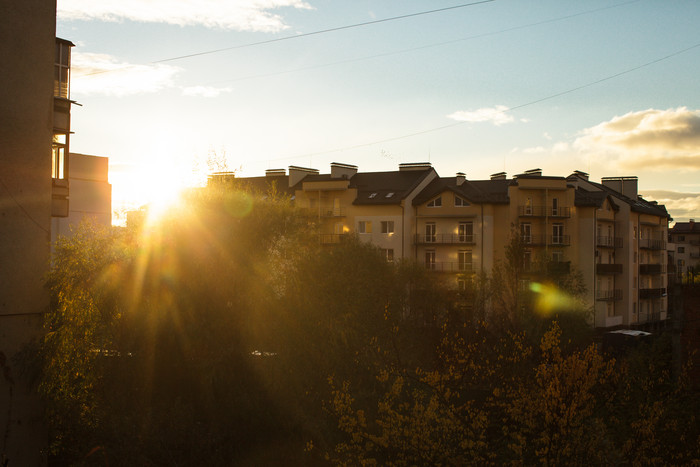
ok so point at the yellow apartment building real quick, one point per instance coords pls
(457, 227)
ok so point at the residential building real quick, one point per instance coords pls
(90, 194)
(458, 227)
(35, 132)
(685, 238)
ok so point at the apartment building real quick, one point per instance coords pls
(35, 132)
(457, 227)
(685, 250)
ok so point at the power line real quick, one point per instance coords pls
(519, 106)
(297, 36)
(427, 46)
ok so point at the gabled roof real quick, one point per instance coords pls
(467, 190)
(594, 199)
(376, 188)
(639, 205)
(685, 228)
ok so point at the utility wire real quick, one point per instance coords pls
(515, 107)
(427, 46)
(312, 33)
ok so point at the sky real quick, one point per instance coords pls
(172, 89)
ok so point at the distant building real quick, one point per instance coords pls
(90, 194)
(459, 227)
(686, 238)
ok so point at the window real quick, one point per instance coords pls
(338, 228)
(61, 74)
(430, 259)
(388, 254)
(58, 159)
(430, 229)
(436, 203)
(460, 201)
(557, 234)
(681, 249)
(364, 227)
(557, 256)
(389, 195)
(555, 207)
(681, 238)
(464, 260)
(526, 233)
(527, 260)
(461, 285)
(528, 207)
(372, 195)
(387, 227)
(610, 309)
(466, 232)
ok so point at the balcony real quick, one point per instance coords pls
(652, 317)
(544, 211)
(445, 239)
(647, 294)
(549, 267)
(608, 268)
(651, 244)
(331, 239)
(542, 240)
(652, 269)
(608, 295)
(444, 266)
(332, 212)
(608, 242)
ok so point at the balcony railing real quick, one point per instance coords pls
(609, 242)
(444, 266)
(544, 211)
(542, 240)
(607, 295)
(652, 268)
(446, 239)
(331, 239)
(332, 212)
(651, 244)
(608, 268)
(646, 294)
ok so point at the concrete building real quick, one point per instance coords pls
(685, 250)
(457, 227)
(90, 194)
(35, 133)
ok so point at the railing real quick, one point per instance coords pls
(549, 267)
(609, 242)
(608, 268)
(652, 244)
(331, 239)
(652, 268)
(646, 294)
(443, 266)
(541, 240)
(544, 211)
(606, 295)
(332, 212)
(447, 239)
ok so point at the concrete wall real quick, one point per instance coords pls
(27, 38)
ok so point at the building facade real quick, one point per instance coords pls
(685, 250)
(458, 227)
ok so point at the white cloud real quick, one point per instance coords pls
(105, 74)
(496, 115)
(535, 150)
(681, 205)
(668, 139)
(203, 91)
(242, 15)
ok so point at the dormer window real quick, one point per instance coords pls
(436, 203)
(389, 195)
(372, 195)
(460, 201)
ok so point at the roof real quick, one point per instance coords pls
(639, 205)
(483, 191)
(685, 227)
(376, 188)
(263, 185)
(594, 199)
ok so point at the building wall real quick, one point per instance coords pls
(27, 39)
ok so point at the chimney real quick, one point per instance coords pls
(297, 174)
(345, 171)
(581, 174)
(534, 172)
(410, 166)
(461, 178)
(274, 173)
(692, 224)
(498, 176)
(624, 185)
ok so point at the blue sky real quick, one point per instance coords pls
(607, 87)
